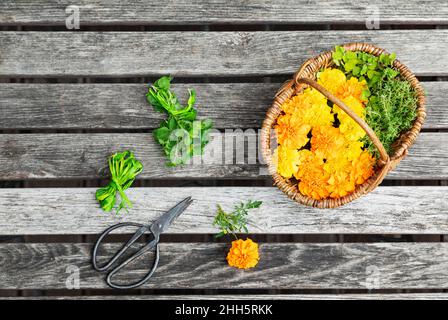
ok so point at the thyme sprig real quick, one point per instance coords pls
(235, 221)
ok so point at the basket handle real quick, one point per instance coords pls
(383, 153)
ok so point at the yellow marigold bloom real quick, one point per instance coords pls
(351, 130)
(353, 150)
(331, 79)
(352, 87)
(338, 167)
(286, 161)
(314, 182)
(354, 104)
(309, 107)
(340, 187)
(243, 254)
(348, 126)
(362, 167)
(326, 141)
(306, 159)
(291, 132)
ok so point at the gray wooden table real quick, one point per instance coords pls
(69, 98)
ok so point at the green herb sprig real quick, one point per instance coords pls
(235, 221)
(180, 135)
(123, 169)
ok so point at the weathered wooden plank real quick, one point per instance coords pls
(387, 210)
(119, 54)
(203, 265)
(386, 296)
(50, 156)
(102, 12)
(124, 106)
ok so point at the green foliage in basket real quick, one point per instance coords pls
(391, 106)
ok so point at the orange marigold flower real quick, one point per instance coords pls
(243, 254)
(326, 141)
(362, 167)
(291, 133)
(286, 160)
(313, 179)
(331, 79)
(306, 159)
(314, 183)
(352, 87)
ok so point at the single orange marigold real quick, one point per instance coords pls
(243, 254)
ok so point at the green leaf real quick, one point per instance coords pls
(163, 83)
(162, 134)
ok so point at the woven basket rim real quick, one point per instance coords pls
(308, 70)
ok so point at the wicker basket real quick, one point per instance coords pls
(306, 77)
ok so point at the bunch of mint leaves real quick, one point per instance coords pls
(180, 134)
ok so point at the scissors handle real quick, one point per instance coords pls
(141, 230)
(153, 243)
(108, 266)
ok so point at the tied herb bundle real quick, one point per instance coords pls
(392, 102)
(180, 135)
(123, 169)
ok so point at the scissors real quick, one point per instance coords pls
(157, 228)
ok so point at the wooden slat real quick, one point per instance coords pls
(203, 265)
(118, 54)
(102, 12)
(387, 210)
(386, 296)
(50, 156)
(124, 106)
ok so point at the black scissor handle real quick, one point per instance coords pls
(141, 230)
(153, 243)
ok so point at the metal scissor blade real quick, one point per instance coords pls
(161, 224)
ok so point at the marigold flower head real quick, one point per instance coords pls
(352, 87)
(314, 182)
(243, 254)
(326, 141)
(348, 126)
(353, 150)
(354, 104)
(309, 107)
(362, 167)
(291, 132)
(286, 161)
(306, 160)
(337, 166)
(332, 79)
(340, 187)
